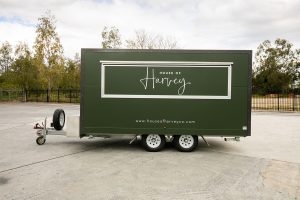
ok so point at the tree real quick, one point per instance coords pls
(111, 38)
(144, 40)
(5, 57)
(276, 67)
(72, 73)
(49, 51)
(24, 71)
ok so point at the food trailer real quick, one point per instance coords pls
(161, 95)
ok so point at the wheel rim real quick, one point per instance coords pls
(153, 141)
(186, 141)
(61, 119)
(41, 140)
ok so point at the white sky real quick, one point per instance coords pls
(195, 24)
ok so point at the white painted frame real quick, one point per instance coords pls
(107, 63)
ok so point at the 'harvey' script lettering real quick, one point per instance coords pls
(164, 81)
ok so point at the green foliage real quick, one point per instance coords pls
(48, 52)
(270, 81)
(71, 78)
(111, 38)
(45, 67)
(6, 61)
(24, 71)
(5, 57)
(276, 67)
(6, 81)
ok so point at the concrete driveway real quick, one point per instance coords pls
(263, 166)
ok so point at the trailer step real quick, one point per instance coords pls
(236, 139)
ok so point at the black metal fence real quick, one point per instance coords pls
(279, 102)
(59, 96)
(11, 95)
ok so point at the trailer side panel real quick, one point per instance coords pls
(202, 92)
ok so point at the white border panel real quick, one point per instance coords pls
(107, 63)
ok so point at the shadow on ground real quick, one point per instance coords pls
(117, 144)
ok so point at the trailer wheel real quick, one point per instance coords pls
(58, 119)
(185, 143)
(153, 142)
(40, 140)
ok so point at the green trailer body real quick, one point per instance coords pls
(166, 92)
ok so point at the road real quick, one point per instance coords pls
(263, 166)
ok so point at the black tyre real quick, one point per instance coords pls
(153, 142)
(40, 140)
(185, 143)
(59, 119)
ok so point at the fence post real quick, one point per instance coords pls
(293, 100)
(70, 96)
(278, 101)
(47, 95)
(36, 96)
(24, 95)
